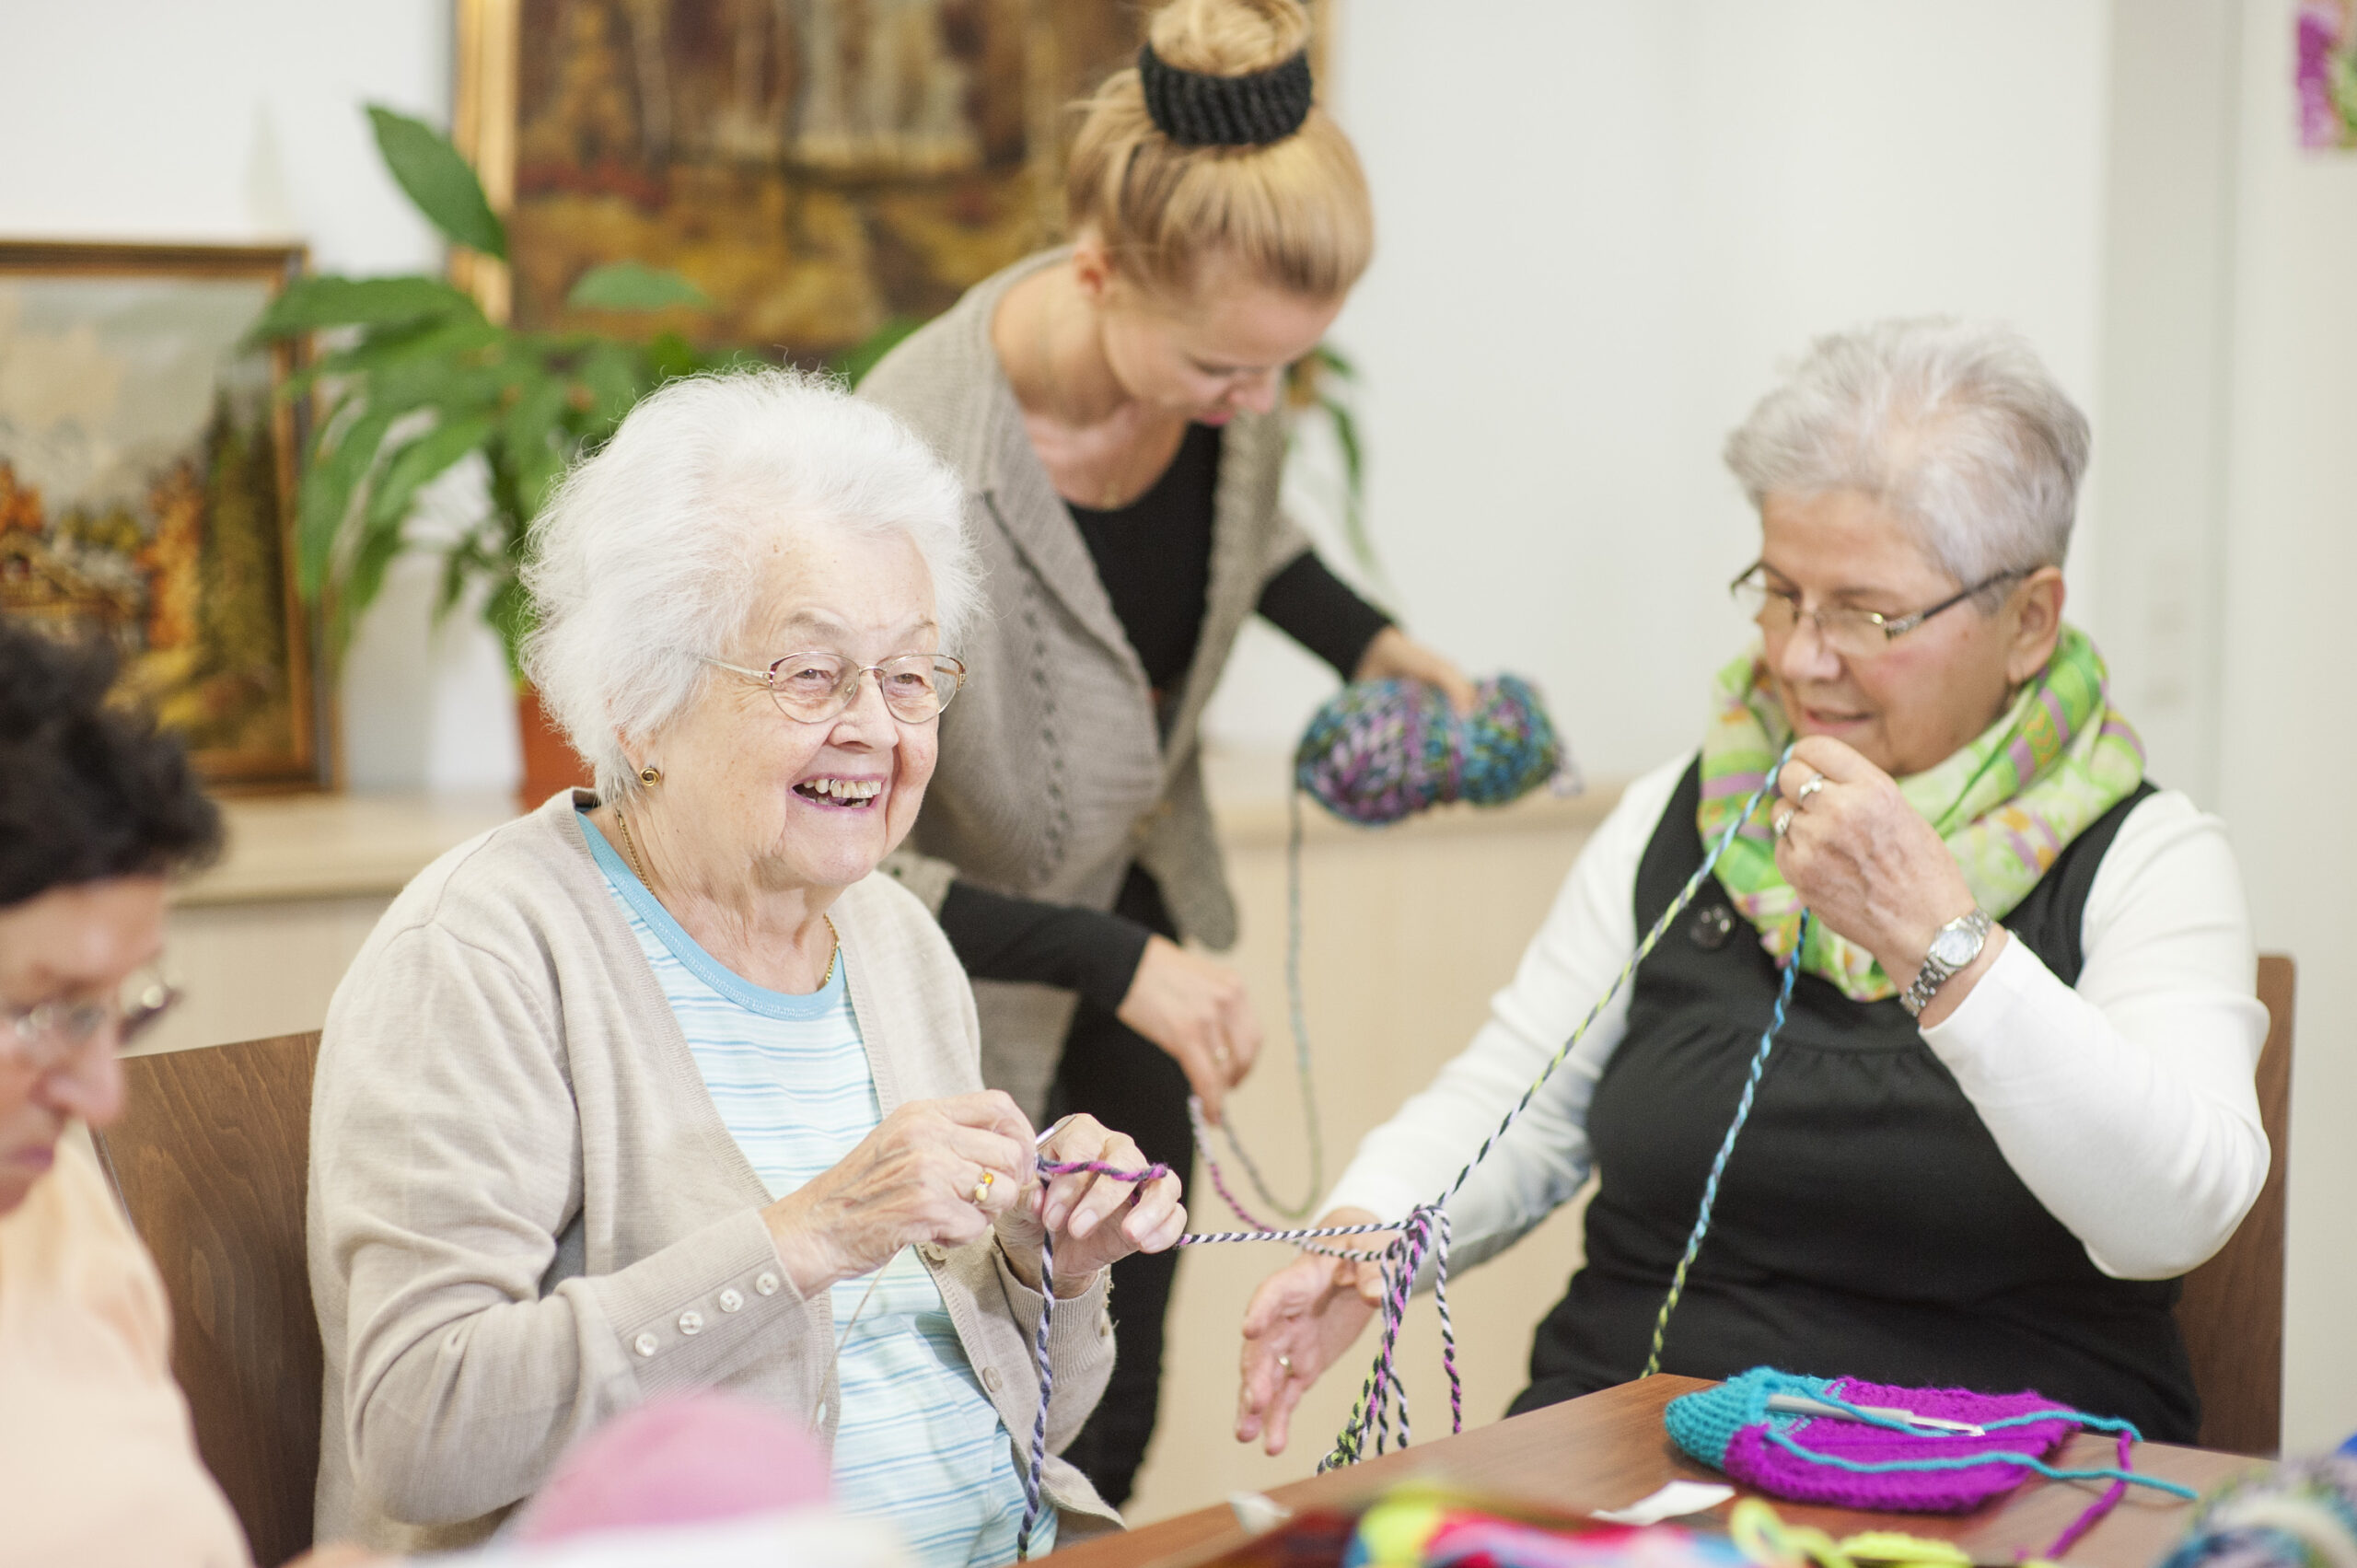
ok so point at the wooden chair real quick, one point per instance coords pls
(209, 1158)
(2231, 1312)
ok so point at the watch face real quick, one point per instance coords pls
(1956, 948)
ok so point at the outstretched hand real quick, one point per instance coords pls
(1300, 1321)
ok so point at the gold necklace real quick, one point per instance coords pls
(623, 822)
(835, 937)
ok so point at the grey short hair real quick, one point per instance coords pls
(1954, 425)
(645, 561)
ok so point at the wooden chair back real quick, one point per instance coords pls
(2232, 1311)
(211, 1157)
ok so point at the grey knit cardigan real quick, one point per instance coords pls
(1052, 780)
(527, 1214)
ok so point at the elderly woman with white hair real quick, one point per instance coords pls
(658, 1087)
(2013, 1100)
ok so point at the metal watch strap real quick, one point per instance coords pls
(1937, 973)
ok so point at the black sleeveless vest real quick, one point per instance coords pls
(1867, 1224)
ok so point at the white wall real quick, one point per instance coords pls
(1601, 229)
(2285, 743)
(149, 119)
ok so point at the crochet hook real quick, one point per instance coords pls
(1801, 1405)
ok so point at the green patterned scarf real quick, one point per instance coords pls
(2059, 757)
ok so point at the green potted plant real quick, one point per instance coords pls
(416, 380)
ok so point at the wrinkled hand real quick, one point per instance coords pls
(1395, 655)
(910, 1181)
(1096, 1219)
(1300, 1321)
(1869, 864)
(1197, 1011)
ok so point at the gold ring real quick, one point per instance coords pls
(983, 1187)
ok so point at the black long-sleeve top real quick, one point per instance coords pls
(1154, 558)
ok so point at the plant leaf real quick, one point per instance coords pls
(634, 285)
(438, 180)
(308, 304)
(508, 612)
(421, 461)
(363, 579)
(326, 499)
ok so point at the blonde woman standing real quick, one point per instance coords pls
(1112, 408)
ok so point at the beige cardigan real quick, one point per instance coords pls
(1052, 779)
(525, 1214)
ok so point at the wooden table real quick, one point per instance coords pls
(1610, 1449)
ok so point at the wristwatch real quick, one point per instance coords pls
(1954, 946)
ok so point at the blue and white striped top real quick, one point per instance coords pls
(917, 1443)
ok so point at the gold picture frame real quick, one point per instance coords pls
(149, 466)
(820, 168)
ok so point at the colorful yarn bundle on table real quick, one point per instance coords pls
(1858, 1444)
(1415, 1529)
(2302, 1513)
(1380, 750)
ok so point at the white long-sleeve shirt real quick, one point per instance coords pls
(2125, 1105)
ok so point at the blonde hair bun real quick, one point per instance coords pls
(1253, 176)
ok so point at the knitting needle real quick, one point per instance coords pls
(1801, 1405)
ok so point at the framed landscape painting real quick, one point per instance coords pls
(820, 168)
(146, 484)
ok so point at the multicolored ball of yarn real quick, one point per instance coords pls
(2302, 1513)
(1379, 751)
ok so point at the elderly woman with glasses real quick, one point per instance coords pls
(658, 1087)
(2013, 1100)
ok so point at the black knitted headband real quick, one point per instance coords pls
(1198, 109)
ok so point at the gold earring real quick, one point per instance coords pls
(650, 775)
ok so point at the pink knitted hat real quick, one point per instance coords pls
(679, 1459)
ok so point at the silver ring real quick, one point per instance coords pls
(1284, 1364)
(1784, 824)
(1800, 795)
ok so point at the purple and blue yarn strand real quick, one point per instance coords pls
(1035, 1476)
(1790, 966)
(1383, 1396)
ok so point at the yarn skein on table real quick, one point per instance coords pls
(1858, 1444)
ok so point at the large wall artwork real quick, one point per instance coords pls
(146, 470)
(820, 167)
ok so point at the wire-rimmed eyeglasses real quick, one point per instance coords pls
(1848, 631)
(815, 686)
(42, 1037)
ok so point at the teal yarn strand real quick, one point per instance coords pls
(2030, 1462)
(1791, 965)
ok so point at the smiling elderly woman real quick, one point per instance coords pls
(658, 1087)
(2014, 1099)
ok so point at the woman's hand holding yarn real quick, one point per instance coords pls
(1197, 1011)
(1096, 1218)
(1869, 864)
(918, 1177)
(1300, 1321)
(1395, 655)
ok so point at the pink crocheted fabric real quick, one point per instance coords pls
(1758, 1460)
